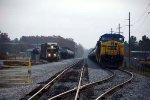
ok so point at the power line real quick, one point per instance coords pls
(143, 22)
(143, 14)
(142, 19)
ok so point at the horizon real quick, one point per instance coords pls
(80, 20)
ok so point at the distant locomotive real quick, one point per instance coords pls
(109, 50)
(66, 53)
(49, 51)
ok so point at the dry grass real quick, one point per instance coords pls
(145, 63)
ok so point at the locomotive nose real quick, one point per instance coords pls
(113, 52)
(112, 48)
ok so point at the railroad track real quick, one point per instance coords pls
(116, 86)
(80, 89)
(50, 84)
(84, 88)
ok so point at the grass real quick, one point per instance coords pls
(131, 69)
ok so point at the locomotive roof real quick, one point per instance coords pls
(113, 35)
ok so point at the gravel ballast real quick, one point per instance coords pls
(40, 73)
(138, 89)
(95, 72)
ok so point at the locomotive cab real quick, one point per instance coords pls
(112, 37)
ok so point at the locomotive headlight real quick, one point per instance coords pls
(54, 55)
(52, 46)
(49, 55)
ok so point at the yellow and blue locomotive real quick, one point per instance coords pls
(109, 50)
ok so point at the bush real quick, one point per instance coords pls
(3, 56)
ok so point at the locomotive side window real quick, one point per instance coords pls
(121, 39)
(104, 39)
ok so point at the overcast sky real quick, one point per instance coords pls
(83, 20)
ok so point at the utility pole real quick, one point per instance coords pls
(119, 29)
(111, 31)
(129, 40)
(129, 47)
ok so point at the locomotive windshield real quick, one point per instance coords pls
(52, 50)
(109, 37)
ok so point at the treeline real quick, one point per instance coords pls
(141, 45)
(4, 48)
(37, 40)
(137, 45)
(28, 42)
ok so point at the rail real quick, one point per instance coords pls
(49, 84)
(113, 89)
(79, 84)
(85, 86)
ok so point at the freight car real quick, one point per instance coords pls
(66, 53)
(109, 50)
(49, 51)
